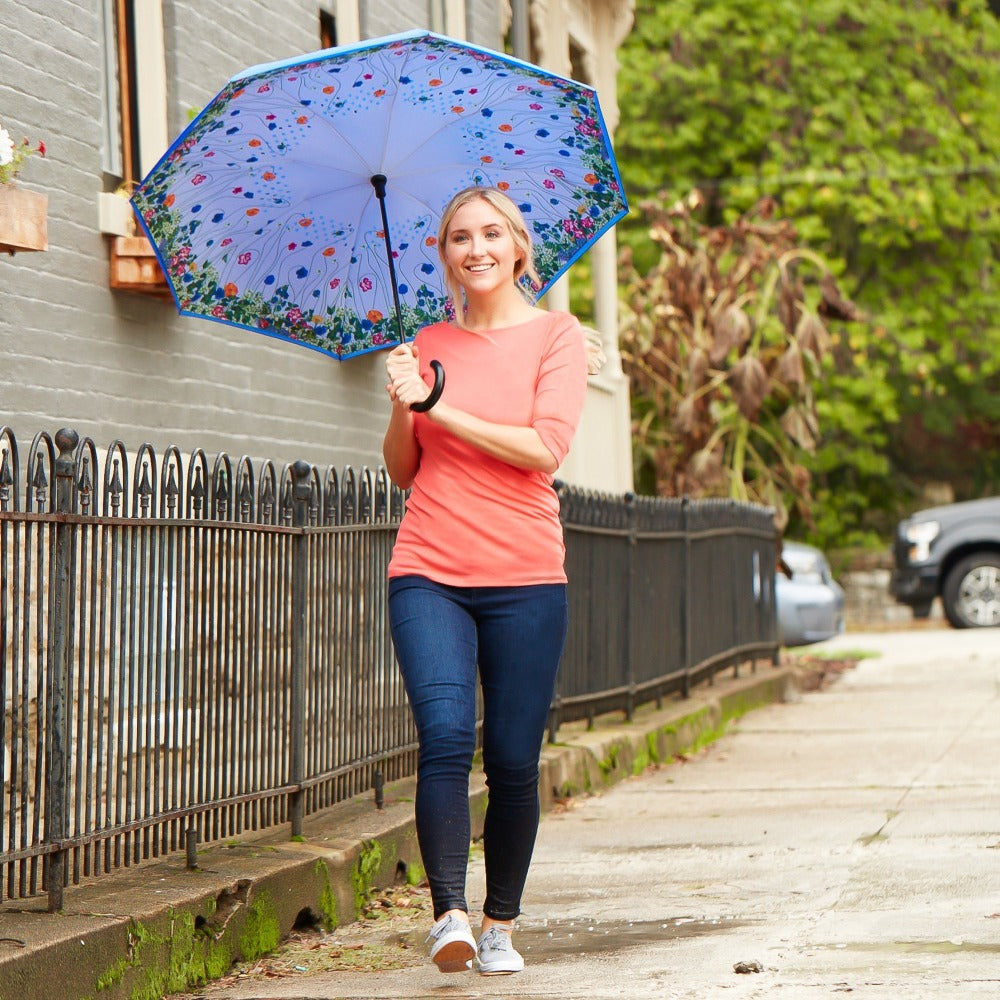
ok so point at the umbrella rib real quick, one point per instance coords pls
(329, 124)
(448, 123)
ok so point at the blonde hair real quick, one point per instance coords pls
(518, 231)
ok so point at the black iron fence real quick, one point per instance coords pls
(194, 649)
(663, 594)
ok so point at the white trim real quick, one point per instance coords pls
(114, 213)
(454, 18)
(348, 15)
(151, 84)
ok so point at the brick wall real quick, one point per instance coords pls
(122, 365)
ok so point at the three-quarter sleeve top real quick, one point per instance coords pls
(473, 520)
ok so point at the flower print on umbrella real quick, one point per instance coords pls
(254, 175)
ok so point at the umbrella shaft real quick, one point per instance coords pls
(378, 183)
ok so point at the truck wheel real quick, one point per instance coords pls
(971, 594)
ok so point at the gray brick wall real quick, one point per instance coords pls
(121, 365)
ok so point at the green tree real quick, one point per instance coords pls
(875, 127)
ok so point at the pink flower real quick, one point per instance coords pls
(366, 284)
(199, 178)
(226, 241)
(244, 258)
(549, 184)
(335, 283)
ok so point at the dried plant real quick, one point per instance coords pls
(723, 340)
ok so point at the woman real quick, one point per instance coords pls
(476, 575)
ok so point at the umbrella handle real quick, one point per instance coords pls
(435, 392)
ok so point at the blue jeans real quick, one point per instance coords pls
(516, 636)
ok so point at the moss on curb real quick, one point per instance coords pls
(191, 959)
(329, 915)
(363, 874)
(262, 931)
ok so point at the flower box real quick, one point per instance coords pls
(23, 219)
(134, 267)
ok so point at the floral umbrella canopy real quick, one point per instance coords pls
(264, 215)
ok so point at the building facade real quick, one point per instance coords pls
(106, 86)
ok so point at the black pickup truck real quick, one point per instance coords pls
(951, 552)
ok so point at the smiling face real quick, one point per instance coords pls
(479, 249)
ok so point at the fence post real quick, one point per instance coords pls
(686, 600)
(300, 580)
(633, 605)
(57, 675)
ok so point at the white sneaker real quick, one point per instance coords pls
(497, 956)
(454, 946)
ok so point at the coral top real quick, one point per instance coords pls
(472, 520)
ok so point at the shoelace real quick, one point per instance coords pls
(495, 940)
(437, 932)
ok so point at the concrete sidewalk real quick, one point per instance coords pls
(847, 842)
(141, 932)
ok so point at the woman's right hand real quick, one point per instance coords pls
(405, 385)
(400, 450)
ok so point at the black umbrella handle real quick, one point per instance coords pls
(435, 392)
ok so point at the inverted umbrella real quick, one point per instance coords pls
(267, 211)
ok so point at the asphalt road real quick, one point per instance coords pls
(846, 843)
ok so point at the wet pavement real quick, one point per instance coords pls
(845, 843)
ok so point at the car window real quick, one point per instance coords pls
(807, 566)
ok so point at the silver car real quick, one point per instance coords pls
(810, 602)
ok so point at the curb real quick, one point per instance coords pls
(159, 928)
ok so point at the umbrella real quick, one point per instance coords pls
(303, 202)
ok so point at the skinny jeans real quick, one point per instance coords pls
(515, 635)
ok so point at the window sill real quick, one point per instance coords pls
(115, 215)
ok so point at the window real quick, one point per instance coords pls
(135, 90)
(327, 30)
(339, 23)
(119, 152)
